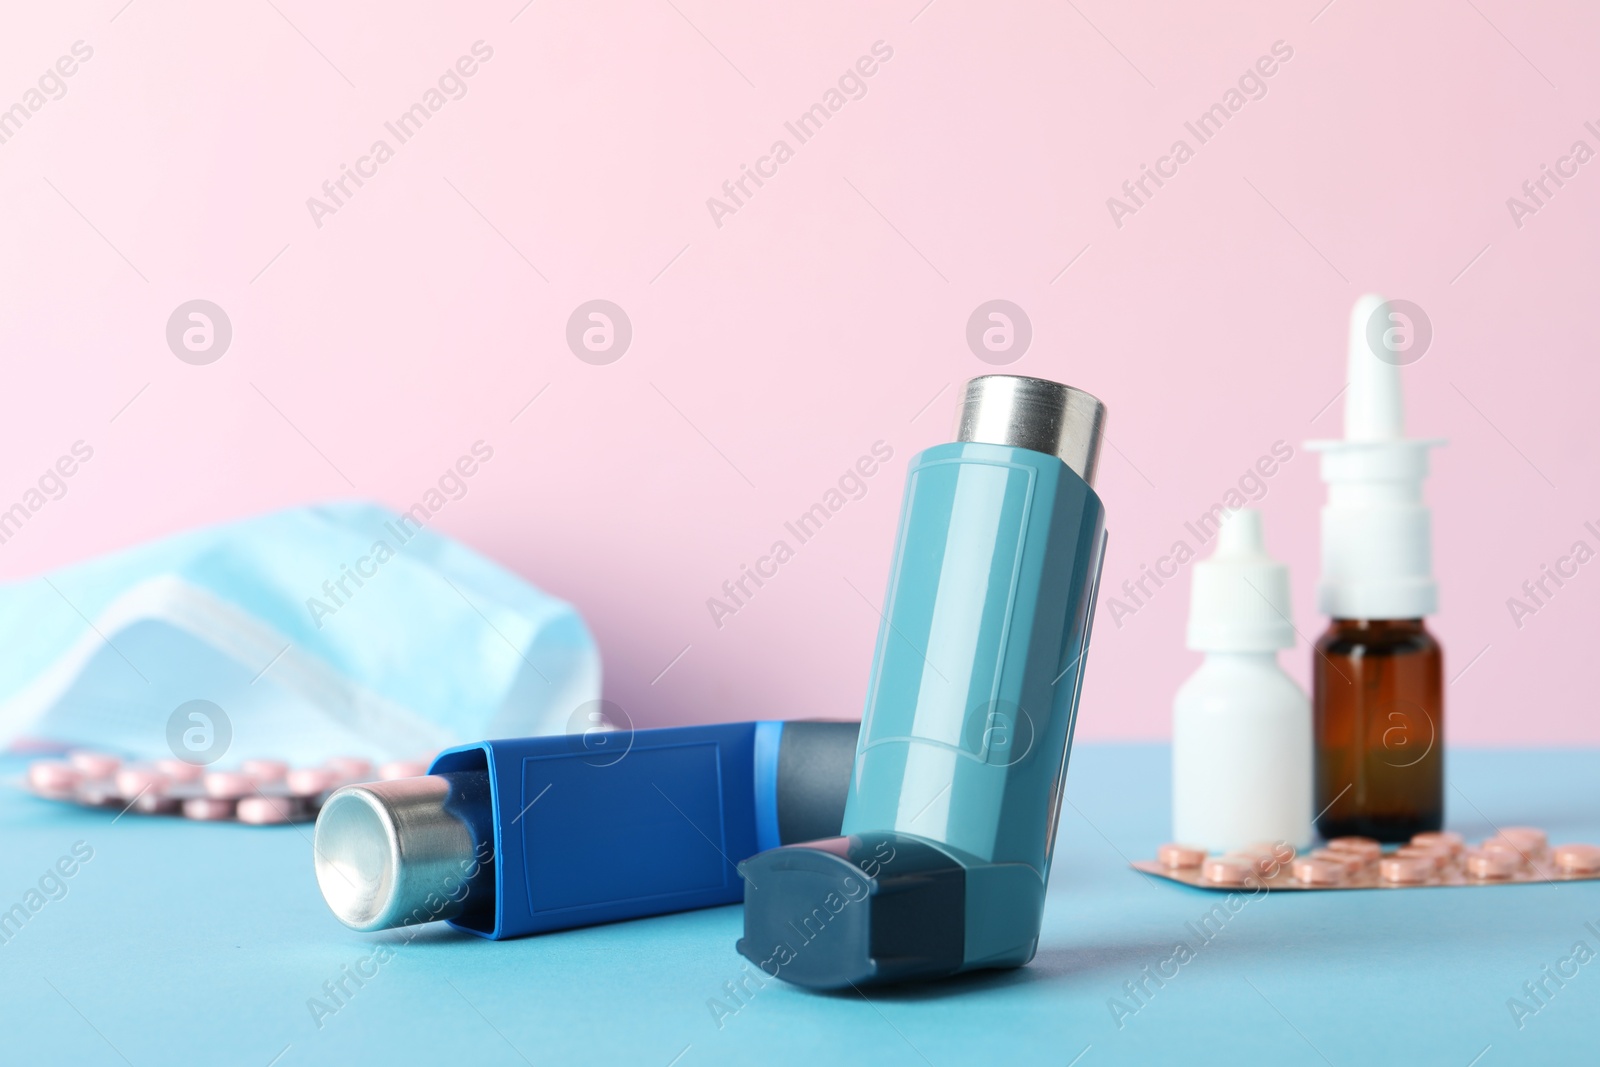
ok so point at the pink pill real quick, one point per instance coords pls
(1439, 858)
(309, 781)
(265, 771)
(1180, 857)
(402, 769)
(1365, 847)
(208, 809)
(1530, 839)
(1266, 864)
(180, 770)
(1318, 872)
(1577, 859)
(1228, 870)
(1282, 850)
(1445, 839)
(1492, 866)
(53, 778)
(1351, 863)
(267, 811)
(1513, 852)
(350, 768)
(1405, 870)
(140, 781)
(229, 785)
(94, 764)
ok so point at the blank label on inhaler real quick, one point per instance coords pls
(646, 815)
(974, 559)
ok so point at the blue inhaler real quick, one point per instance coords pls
(956, 790)
(515, 837)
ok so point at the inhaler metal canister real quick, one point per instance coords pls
(955, 794)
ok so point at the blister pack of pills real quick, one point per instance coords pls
(1516, 855)
(260, 792)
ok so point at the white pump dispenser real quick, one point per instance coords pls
(1377, 560)
(1241, 727)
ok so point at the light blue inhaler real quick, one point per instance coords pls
(956, 790)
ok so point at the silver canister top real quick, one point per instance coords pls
(1045, 416)
(395, 853)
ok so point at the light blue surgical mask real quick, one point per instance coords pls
(308, 633)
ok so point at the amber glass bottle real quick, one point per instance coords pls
(1378, 721)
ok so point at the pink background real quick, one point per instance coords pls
(824, 315)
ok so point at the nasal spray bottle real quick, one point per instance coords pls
(1377, 691)
(1241, 727)
(955, 795)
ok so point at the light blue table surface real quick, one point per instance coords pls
(186, 943)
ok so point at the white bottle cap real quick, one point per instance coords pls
(1239, 599)
(1377, 558)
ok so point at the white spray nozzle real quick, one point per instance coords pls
(1373, 410)
(1377, 559)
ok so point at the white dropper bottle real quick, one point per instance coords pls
(1241, 727)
